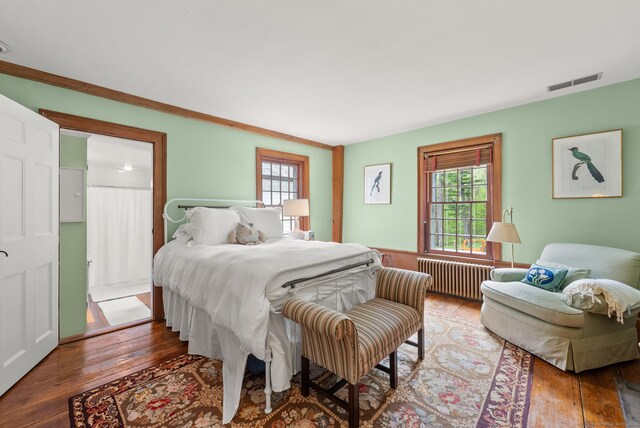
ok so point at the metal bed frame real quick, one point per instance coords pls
(345, 270)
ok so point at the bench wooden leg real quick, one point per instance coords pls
(304, 377)
(421, 344)
(393, 369)
(354, 406)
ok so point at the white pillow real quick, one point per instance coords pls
(264, 219)
(214, 224)
(187, 232)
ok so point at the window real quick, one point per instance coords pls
(281, 176)
(459, 194)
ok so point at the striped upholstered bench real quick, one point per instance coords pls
(351, 344)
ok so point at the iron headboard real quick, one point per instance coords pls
(208, 203)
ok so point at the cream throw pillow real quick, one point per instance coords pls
(265, 219)
(214, 224)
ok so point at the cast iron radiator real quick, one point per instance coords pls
(455, 278)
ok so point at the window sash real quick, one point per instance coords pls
(286, 184)
(492, 150)
(467, 245)
(296, 167)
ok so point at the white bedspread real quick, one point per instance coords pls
(237, 284)
(232, 283)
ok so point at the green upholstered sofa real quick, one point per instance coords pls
(543, 324)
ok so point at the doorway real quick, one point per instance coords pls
(119, 231)
(111, 281)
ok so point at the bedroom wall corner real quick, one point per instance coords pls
(73, 250)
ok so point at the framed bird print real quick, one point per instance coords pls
(588, 166)
(377, 184)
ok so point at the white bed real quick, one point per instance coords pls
(225, 300)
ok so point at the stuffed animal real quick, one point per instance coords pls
(246, 234)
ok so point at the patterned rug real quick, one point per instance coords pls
(469, 377)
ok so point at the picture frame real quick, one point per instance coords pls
(377, 184)
(587, 165)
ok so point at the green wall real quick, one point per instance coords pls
(73, 250)
(204, 160)
(526, 174)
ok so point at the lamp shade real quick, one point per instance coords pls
(503, 232)
(295, 207)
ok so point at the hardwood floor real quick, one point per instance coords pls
(558, 399)
(41, 397)
(562, 399)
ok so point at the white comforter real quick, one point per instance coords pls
(238, 285)
(234, 283)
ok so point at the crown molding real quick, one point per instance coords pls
(111, 94)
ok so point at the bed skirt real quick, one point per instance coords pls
(284, 338)
(195, 325)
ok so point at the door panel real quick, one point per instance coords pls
(14, 308)
(44, 313)
(29, 234)
(12, 198)
(43, 177)
(41, 140)
(12, 129)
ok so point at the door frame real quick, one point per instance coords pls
(159, 141)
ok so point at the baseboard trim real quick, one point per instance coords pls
(404, 259)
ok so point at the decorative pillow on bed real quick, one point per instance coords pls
(188, 232)
(543, 277)
(264, 219)
(573, 274)
(213, 223)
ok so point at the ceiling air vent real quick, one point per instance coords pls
(574, 82)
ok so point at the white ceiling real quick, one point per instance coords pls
(333, 71)
(115, 153)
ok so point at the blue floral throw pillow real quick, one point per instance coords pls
(544, 277)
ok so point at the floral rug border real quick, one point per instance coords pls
(512, 380)
(511, 384)
(515, 367)
(78, 407)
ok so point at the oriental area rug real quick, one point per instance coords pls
(469, 378)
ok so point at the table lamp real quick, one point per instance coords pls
(296, 208)
(505, 232)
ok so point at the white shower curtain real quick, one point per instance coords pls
(119, 241)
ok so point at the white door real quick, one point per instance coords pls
(29, 236)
